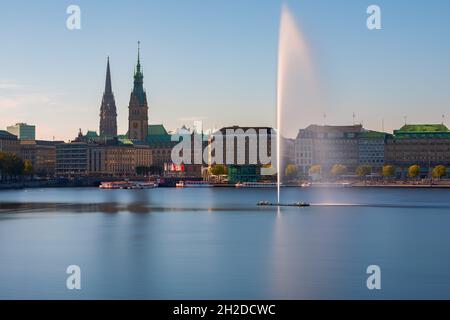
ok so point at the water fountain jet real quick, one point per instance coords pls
(295, 75)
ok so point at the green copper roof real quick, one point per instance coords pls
(157, 130)
(91, 134)
(126, 141)
(373, 134)
(423, 128)
(158, 136)
(413, 131)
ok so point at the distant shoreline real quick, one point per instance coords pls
(52, 185)
(410, 186)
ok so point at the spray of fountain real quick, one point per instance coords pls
(296, 84)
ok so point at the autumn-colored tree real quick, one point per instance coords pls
(219, 170)
(10, 165)
(388, 171)
(315, 169)
(363, 170)
(291, 171)
(338, 170)
(413, 171)
(28, 168)
(439, 171)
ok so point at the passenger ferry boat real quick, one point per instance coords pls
(144, 185)
(128, 185)
(331, 185)
(115, 185)
(256, 185)
(193, 184)
(305, 185)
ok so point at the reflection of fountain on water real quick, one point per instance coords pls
(297, 98)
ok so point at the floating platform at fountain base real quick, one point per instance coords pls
(269, 204)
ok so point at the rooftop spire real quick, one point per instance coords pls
(108, 112)
(138, 68)
(108, 86)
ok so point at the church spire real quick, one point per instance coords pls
(108, 86)
(108, 112)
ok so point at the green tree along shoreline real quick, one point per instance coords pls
(13, 168)
(387, 171)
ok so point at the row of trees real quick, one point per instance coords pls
(12, 167)
(337, 170)
(387, 171)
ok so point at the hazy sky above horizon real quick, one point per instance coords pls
(216, 61)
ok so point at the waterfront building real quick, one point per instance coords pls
(426, 145)
(243, 158)
(9, 143)
(111, 160)
(71, 159)
(161, 144)
(23, 131)
(117, 158)
(288, 151)
(138, 107)
(371, 149)
(108, 113)
(41, 154)
(327, 146)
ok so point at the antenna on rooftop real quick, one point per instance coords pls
(443, 119)
(406, 118)
(354, 118)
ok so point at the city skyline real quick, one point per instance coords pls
(214, 74)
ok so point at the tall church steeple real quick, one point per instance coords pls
(108, 86)
(138, 107)
(108, 112)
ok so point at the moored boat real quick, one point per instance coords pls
(128, 185)
(256, 185)
(115, 185)
(193, 184)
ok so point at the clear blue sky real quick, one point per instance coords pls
(217, 60)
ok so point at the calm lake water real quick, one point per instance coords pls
(217, 244)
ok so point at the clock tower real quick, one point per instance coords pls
(138, 107)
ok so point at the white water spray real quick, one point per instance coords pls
(296, 85)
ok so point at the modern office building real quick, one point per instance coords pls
(246, 150)
(71, 159)
(23, 131)
(371, 149)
